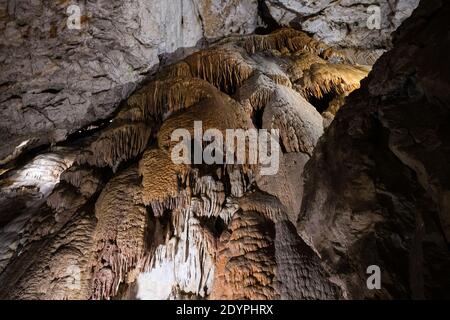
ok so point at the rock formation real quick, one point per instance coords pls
(376, 187)
(96, 206)
(57, 79)
(345, 23)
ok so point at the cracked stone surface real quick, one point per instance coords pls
(344, 22)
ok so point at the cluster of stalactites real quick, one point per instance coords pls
(117, 144)
(322, 79)
(189, 91)
(226, 87)
(286, 40)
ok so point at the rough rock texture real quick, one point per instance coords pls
(344, 22)
(120, 234)
(263, 257)
(133, 220)
(55, 80)
(377, 188)
(110, 214)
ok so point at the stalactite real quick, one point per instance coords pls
(192, 206)
(267, 205)
(281, 79)
(85, 179)
(217, 112)
(168, 95)
(118, 143)
(321, 79)
(184, 264)
(333, 108)
(286, 39)
(256, 91)
(361, 57)
(273, 68)
(161, 180)
(178, 70)
(224, 67)
(302, 62)
(208, 195)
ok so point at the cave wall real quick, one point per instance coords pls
(109, 215)
(377, 188)
(344, 22)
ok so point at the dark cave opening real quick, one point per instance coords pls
(322, 104)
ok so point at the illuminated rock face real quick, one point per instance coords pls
(108, 214)
(155, 229)
(55, 81)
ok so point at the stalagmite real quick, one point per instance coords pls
(57, 267)
(299, 274)
(246, 266)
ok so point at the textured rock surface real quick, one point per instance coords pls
(107, 214)
(377, 186)
(55, 80)
(121, 218)
(344, 22)
(261, 256)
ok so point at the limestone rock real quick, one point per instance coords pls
(376, 188)
(55, 80)
(108, 214)
(344, 22)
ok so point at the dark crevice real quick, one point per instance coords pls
(322, 104)
(266, 17)
(257, 118)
